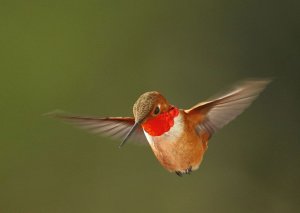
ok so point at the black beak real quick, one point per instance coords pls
(131, 131)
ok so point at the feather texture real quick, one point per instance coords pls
(218, 112)
(114, 127)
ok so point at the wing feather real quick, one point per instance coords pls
(219, 111)
(114, 127)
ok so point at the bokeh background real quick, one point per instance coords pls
(96, 57)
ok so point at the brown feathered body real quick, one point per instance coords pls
(182, 148)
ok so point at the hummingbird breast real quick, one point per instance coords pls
(179, 148)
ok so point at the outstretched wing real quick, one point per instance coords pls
(212, 115)
(115, 127)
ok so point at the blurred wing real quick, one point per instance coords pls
(115, 127)
(216, 113)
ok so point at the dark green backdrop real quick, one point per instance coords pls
(96, 57)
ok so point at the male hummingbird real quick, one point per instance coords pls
(178, 137)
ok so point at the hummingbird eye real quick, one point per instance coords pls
(156, 110)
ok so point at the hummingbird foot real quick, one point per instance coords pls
(186, 171)
(179, 173)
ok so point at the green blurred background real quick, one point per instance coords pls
(96, 57)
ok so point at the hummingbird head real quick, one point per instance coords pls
(149, 106)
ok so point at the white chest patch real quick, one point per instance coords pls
(170, 136)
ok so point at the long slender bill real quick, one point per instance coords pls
(131, 131)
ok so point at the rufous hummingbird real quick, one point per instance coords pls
(178, 137)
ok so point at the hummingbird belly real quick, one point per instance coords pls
(178, 149)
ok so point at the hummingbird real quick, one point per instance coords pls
(178, 137)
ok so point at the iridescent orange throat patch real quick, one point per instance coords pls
(161, 123)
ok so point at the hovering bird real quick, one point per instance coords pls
(178, 137)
